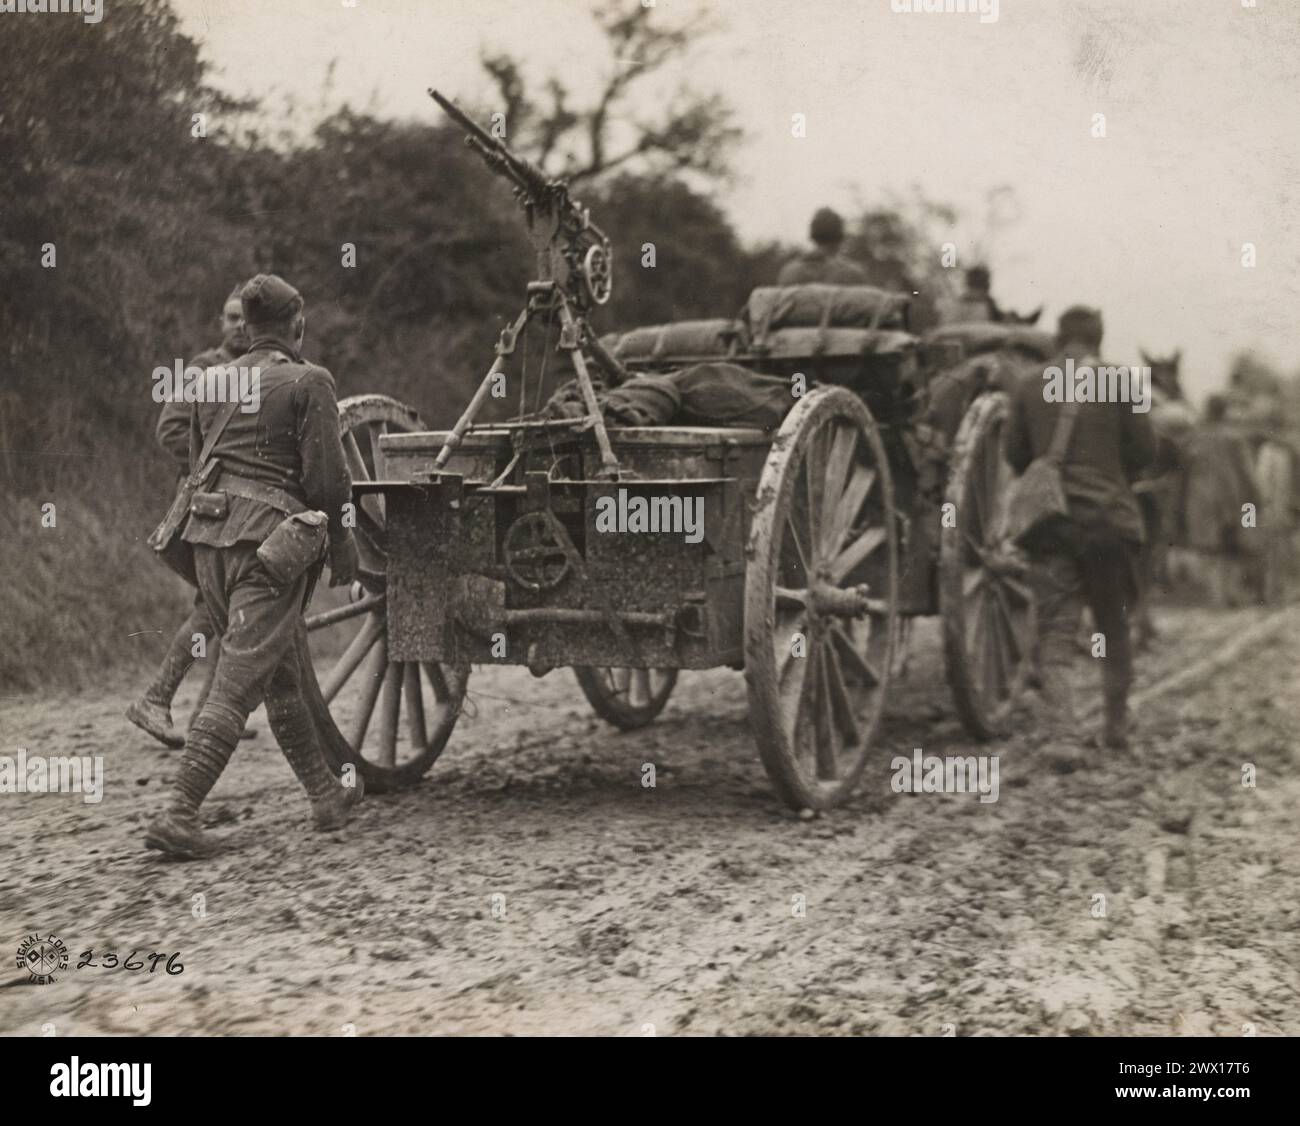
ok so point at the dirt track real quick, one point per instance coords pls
(629, 910)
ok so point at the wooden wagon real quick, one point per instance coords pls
(485, 545)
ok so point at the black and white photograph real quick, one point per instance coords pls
(651, 518)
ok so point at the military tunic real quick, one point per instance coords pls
(173, 434)
(819, 265)
(173, 429)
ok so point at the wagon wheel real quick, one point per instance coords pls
(821, 597)
(627, 698)
(417, 702)
(984, 596)
(362, 420)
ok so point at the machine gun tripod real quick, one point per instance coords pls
(574, 272)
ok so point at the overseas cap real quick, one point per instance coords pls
(826, 226)
(1080, 322)
(235, 293)
(268, 297)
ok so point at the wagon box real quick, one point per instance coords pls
(534, 574)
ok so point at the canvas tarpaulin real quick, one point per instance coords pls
(684, 339)
(823, 306)
(708, 394)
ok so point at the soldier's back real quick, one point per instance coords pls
(816, 266)
(295, 403)
(264, 443)
(1108, 445)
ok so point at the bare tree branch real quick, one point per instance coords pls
(695, 132)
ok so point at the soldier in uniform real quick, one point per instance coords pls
(824, 262)
(976, 304)
(1220, 481)
(173, 430)
(284, 458)
(1091, 555)
(1275, 477)
(153, 711)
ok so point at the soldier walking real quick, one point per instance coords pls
(824, 262)
(153, 711)
(1220, 481)
(283, 459)
(1090, 555)
(1275, 477)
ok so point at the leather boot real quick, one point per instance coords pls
(207, 751)
(332, 809)
(156, 719)
(177, 833)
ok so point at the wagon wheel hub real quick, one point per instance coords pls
(1000, 557)
(823, 600)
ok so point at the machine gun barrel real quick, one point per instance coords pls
(527, 177)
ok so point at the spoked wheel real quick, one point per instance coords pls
(627, 698)
(395, 715)
(401, 714)
(821, 597)
(984, 595)
(363, 419)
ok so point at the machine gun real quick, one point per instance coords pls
(571, 249)
(574, 273)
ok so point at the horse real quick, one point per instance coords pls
(1011, 317)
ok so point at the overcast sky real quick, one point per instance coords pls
(1201, 153)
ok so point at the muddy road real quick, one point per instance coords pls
(531, 884)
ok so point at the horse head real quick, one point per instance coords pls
(1165, 376)
(1011, 317)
